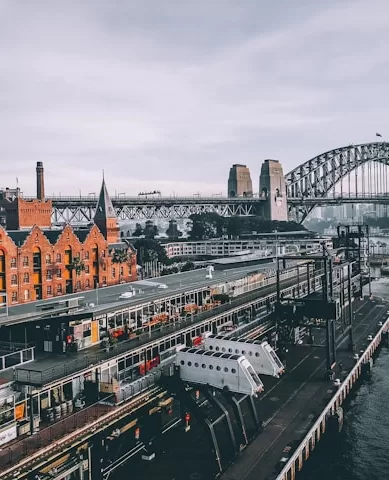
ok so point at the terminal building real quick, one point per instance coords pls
(40, 262)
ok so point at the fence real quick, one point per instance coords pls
(22, 448)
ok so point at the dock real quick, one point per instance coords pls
(289, 409)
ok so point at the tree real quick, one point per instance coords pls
(234, 226)
(172, 232)
(138, 230)
(77, 265)
(205, 226)
(120, 257)
(150, 250)
(150, 231)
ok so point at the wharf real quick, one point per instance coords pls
(288, 408)
(292, 405)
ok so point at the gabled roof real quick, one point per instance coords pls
(18, 236)
(52, 235)
(82, 234)
(104, 207)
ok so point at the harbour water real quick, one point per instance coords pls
(360, 451)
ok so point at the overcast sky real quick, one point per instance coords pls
(168, 94)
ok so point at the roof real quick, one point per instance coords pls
(104, 208)
(82, 234)
(52, 235)
(18, 236)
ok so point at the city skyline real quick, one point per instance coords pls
(168, 98)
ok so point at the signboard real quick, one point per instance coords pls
(8, 435)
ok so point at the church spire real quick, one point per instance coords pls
(105, 216)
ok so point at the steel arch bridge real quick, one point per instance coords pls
(361, 167)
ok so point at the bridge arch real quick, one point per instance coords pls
(317, 177)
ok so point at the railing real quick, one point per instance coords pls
(19, 353)
(39, 377)
(337, 399)
(21, 449)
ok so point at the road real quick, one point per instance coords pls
(148, 290)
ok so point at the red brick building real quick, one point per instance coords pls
(40, 263)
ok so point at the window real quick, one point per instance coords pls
(48, 275)
(13, 262)
(218, 368)
(103, 253)
(233, 370)
(59, 288)
(58, 258)
(104, 280)
(196, 364)
(59, 274)
(211, 367)
(86, 268)
(48, 259)
(25, 261)
(14, 280)
(203, 365)
(182, 362)
(78, 285)
(86, 255)
(49, 291)
(256, 354)
(87, 283)
(226, 369)
(113, 272)
(189, 364)
(26, 295)
(14, 297)
(26, 278)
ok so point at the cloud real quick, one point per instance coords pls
(167, 95)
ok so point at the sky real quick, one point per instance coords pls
(168, 94)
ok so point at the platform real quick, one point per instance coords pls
(287, 408)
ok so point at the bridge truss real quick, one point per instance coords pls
(82, 209)
(353, 174)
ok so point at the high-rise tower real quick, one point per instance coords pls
(239, 182)
(105, 217)
(40, 182)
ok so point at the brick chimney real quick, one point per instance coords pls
(40, 182)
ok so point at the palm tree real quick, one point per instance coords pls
(120, 257)
(77, 265)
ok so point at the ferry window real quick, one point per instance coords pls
(211, 347)
(218, 368)
(182, 362)
(226, 369)
(223, 349)
(230, 350)
(250, 353)
(217, 349)
(243, 352)
(211, 367)
(189, 364)
(237, 351)
(196, 364)
(203, 365)
(233, 370)
(256, 354)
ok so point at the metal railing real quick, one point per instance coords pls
(340, 394)
(13, 453)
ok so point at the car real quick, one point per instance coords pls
(162, 285)
(126, 295)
